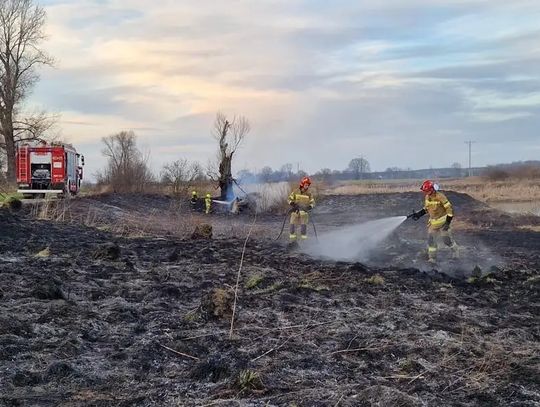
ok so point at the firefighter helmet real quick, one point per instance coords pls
(193, 193)
(305, 183)
(428, 187)
(208, 196)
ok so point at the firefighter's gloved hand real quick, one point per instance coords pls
(295, 207)
(419, 214)
(309, 208)
(446, 225)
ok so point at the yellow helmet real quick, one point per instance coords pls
(194, 193)
(208, 196)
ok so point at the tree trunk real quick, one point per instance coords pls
(226, 179)
(7, 131)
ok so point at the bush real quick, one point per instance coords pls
(496, 174)
(516, 170)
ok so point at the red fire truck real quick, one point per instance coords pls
(48, 169)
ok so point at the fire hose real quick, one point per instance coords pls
(285, 221)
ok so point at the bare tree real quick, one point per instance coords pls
(229, 134)
(287, 170)
(21, 34)
(2, 164)
(324, 175)
(175, 174)
(457, 169)
(266, 174)
(180, 174)
(127, 169)
(359, 166)
(196, 172)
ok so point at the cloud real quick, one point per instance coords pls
(402, 82)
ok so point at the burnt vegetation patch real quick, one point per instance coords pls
(151, 326)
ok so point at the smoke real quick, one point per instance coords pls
(353, 242)
(267, 196)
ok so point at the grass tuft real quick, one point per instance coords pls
(375, 279)
(249, 380)
(254, 281)
(44, 253)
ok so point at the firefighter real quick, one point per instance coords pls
(301, 202)
(440, 211)
(194, 201)
(208, 203)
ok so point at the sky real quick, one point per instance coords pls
(402, 83)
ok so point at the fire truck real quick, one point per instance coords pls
(44, 169)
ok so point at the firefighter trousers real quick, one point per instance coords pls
(436, 234)
(299, 218)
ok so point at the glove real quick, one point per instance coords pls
(309, 208)
(446, 226)
(295, 207)
(419, 214)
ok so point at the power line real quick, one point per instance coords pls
(470, 143)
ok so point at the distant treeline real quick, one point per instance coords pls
(522, 169)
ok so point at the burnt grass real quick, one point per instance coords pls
(100, 319)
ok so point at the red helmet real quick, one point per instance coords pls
(427, 187)
(306, 182)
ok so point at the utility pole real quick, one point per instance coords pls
(470, 143)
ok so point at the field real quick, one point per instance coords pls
(512, 190)
(107, 301)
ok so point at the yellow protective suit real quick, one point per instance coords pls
(305, 202)
(208, 203)
(439, 208)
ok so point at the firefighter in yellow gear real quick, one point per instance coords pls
(208, 203)
(194, 201)
(301, 201)
(441, 214)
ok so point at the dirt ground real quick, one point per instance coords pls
(112, 304)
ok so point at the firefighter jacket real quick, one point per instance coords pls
(304, 199)
(438, 207)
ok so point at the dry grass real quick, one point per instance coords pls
(478, 188)
(149, 222)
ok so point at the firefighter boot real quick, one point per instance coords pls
(432, 249)
(292, 233)
(432, 255)
(451, 244)
(303, 231)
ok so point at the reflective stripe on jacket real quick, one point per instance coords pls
(303, 199)
(438, 207)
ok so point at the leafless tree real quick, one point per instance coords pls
(196, 172)
(287, 170)
(324, 175)
(266, 174)
(359, 166)
(127, 169)
(2, 164)
(21, 34)
(457, 169)
(175, 174)
(229, 135)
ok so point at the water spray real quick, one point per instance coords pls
(353, 242)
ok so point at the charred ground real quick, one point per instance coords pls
(91, 316)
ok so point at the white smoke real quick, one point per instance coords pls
(355, 242)
(266, 196)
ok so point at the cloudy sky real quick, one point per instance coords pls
(401, 82)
